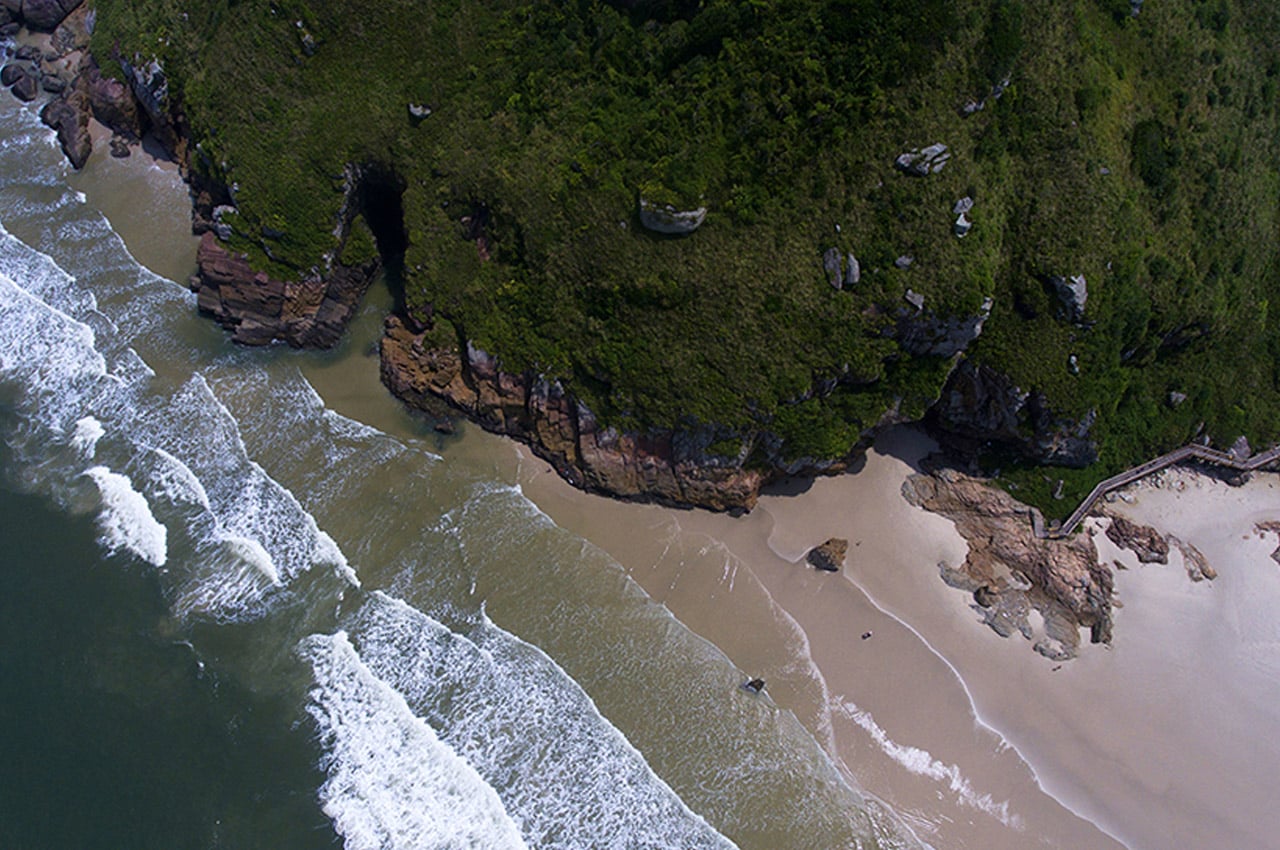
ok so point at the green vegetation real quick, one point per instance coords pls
(1140, 152)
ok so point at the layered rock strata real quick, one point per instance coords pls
(1011, 572)
(258, 309)
(672, 467)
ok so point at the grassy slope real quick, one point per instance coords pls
(784, 118)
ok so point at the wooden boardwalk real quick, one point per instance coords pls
(1193, 451)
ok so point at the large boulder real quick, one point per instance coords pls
(1149, 545)
(665, 218)
(11, 73)
(112, 102)
(829, 557)
(68, 115)
(26, 87)
(42, 14)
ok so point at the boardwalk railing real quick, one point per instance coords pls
(1193, 451)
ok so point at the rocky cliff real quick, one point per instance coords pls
(673, 467)
(310, 311)
(313, 308)
(258, 309)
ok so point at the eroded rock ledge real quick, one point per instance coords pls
(257, 309)
(1011, 572)
(673, 467)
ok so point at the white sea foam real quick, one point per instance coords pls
(569, 777)
(174, 481)
(85, 436)
(922, 763)
(392, 783)
(253, 554)
(125, 520)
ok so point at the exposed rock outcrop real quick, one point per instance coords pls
(842, 272)
(927, 333)
(672, 467)
(980, 405)
(1073, 292)
(69, 118)
(1011, 571)
(829, 557)
(41, 14)
(1144, 541)
(922, 162)
(665, 218)
(258, 309)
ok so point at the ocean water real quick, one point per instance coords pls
(237, 618)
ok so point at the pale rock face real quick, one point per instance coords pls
(921, 162)
(667, 219)
(1073, 292)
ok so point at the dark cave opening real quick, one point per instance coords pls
(379, 201)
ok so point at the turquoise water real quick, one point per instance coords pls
(237, 618)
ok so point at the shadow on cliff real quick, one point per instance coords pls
(380, 201)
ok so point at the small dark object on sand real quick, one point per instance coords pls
(755, 686)
(866, 635)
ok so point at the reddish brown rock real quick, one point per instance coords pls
(1148, 544)
(112, 101)
(1062, 578)
(829, 557)
(662, 466)
(258, 309)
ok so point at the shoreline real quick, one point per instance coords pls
(893, 711)
(758, 582)
(1082, 732)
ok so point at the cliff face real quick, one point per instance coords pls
(674, 467)
(257, 309)
(980, 405)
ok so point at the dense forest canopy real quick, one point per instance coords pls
(1132, 144)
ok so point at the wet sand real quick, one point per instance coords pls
(892, 711)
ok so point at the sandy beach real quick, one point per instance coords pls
(1165, 739)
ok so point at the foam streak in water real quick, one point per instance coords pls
(392, 783)
(566, 774)
(922, 763)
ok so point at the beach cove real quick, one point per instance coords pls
(970, 739)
